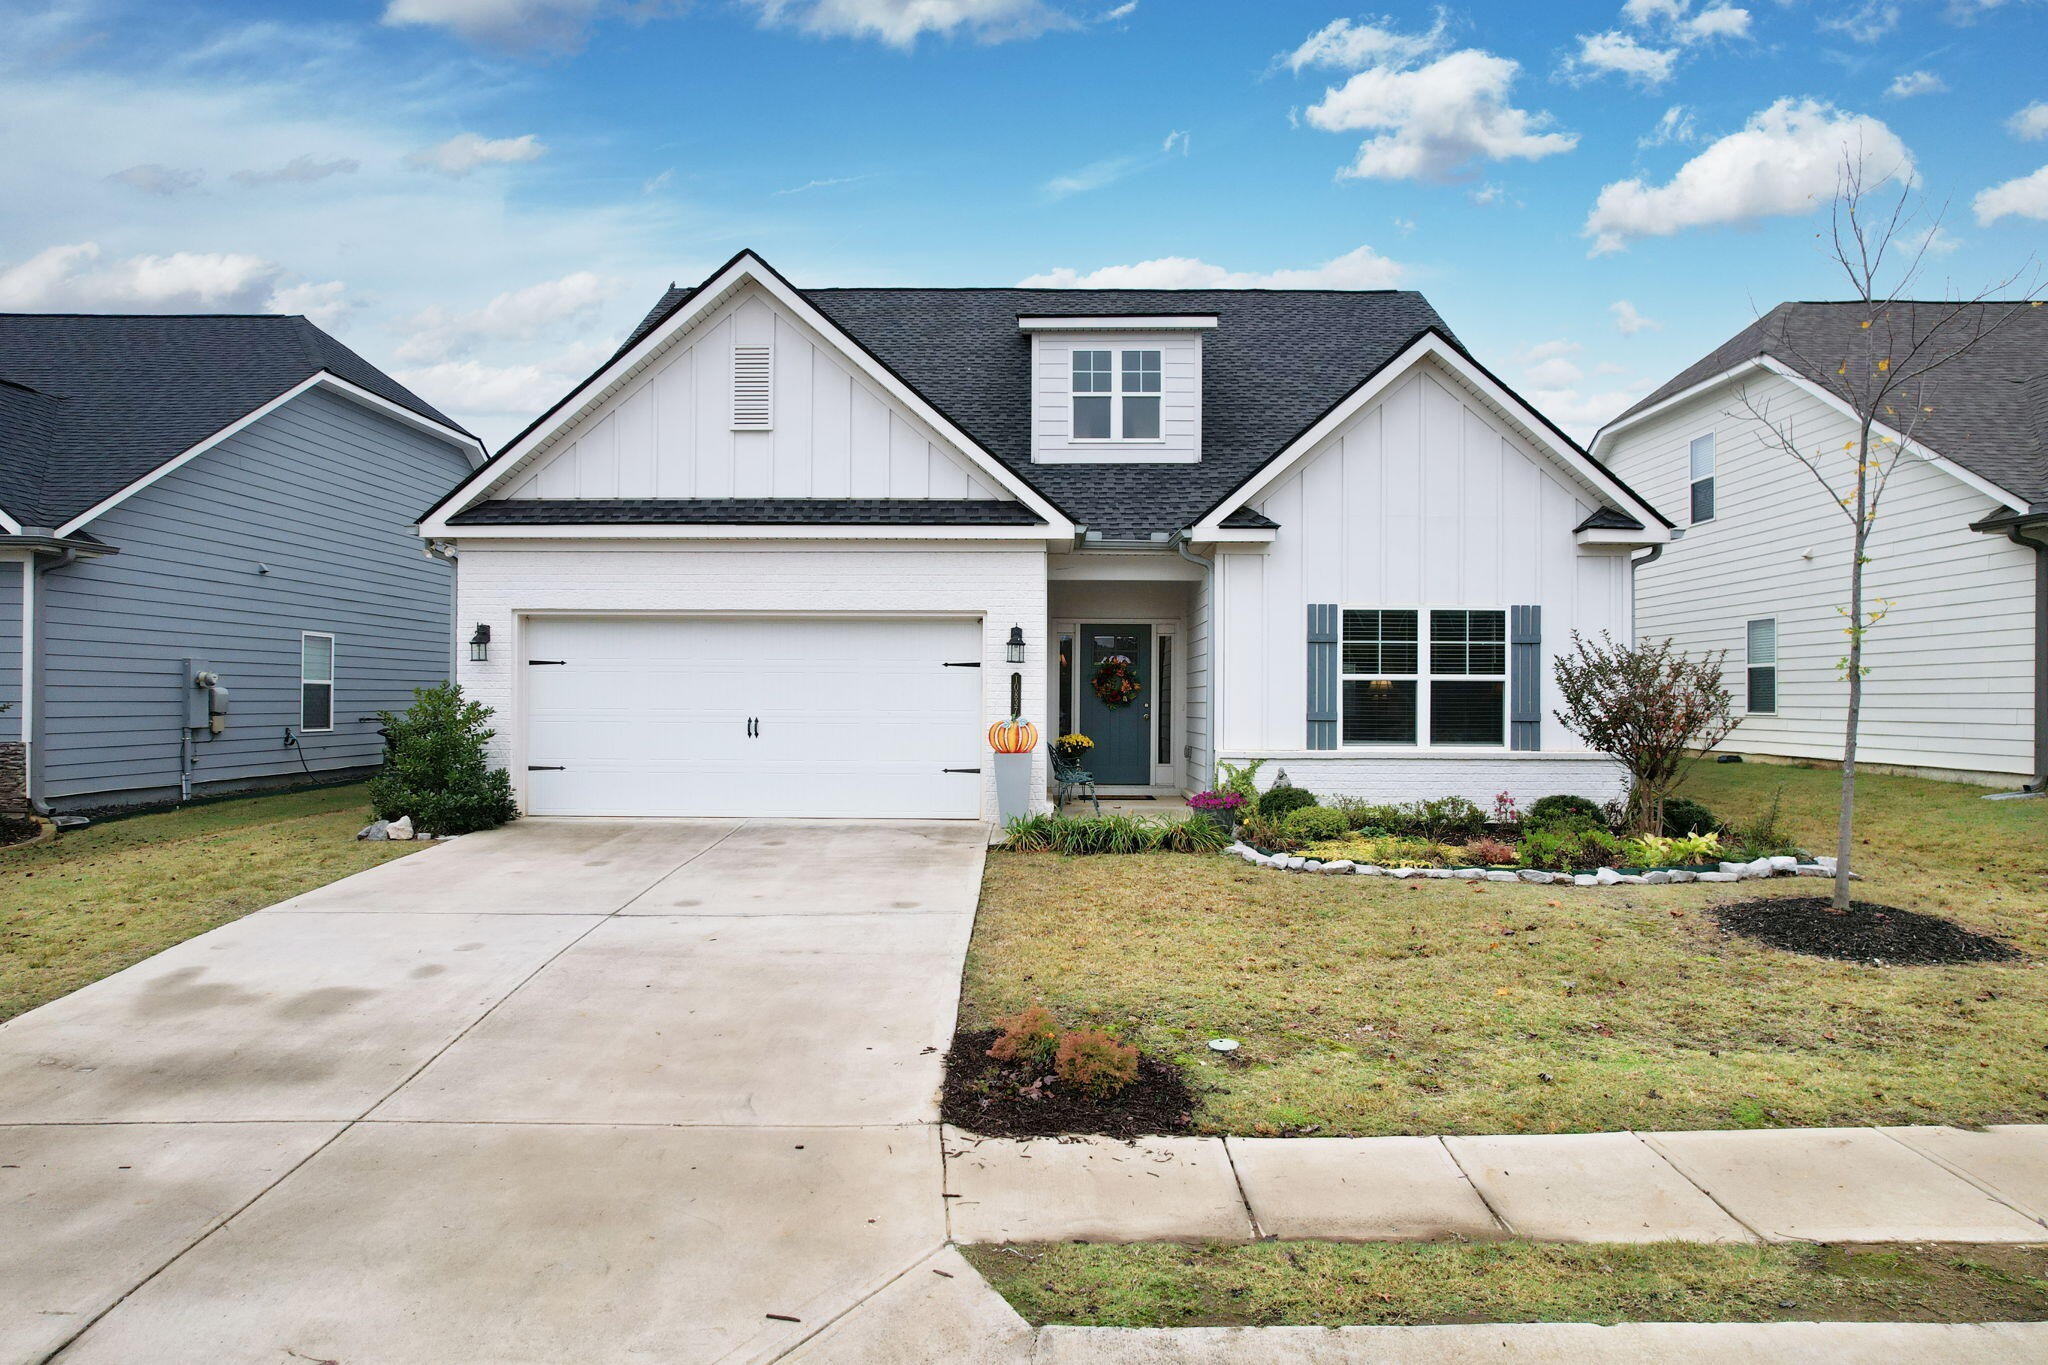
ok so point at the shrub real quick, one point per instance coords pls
(1491, 852)
(1310, 823)
(1568, 847)
(1563, 808)
(1263, 832)
(1368, 815)
(1761, 837)
(436, 766)
(1651, 850)
(1506, 813)
(1283, 797)
(1651, 706)
(1030, 1036)
(1197, 834)
(1240, 778)
(1447, 817)
(1684, 816)
(1095, 1064)
(1391, 850)
(1224, 803)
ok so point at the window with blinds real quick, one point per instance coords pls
(1762, 671)
(1396, 690)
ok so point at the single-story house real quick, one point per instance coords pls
(1958, 667)
(792, 551)
(209, 579)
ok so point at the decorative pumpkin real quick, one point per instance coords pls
(1114, 682)
(1013, 736)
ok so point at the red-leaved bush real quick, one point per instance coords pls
(1490, 851)
(1029, 1036)
(1095, 1064)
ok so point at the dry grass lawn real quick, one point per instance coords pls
(105, 897)
(1368, 1006)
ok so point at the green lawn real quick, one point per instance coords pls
(104, 897)
(1274, 1284)
(1369, 1006)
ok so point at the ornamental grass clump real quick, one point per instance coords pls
(1081, 835)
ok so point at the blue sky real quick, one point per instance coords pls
(482, 195)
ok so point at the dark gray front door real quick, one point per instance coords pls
(1122, 756)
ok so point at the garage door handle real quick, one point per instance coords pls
(959, 770)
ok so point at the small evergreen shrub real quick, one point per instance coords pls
(1095, 1064)
(1311, 823)
(1447, 817)
(1569, 847)
(1266, 833)
(1369, 817)
(1563, 808)
(1682, 816)
(1031, 1037)
(436, 766)
(1281, 797)
(1391, 850)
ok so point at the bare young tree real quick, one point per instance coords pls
(1878, 241)
(1649, 705)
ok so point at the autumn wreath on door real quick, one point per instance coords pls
(1114, 682)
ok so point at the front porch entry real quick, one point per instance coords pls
(1120, 669)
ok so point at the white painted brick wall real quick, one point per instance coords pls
(498, 581)
(1478, 780)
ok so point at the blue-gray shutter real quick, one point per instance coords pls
(1525, 677)
(1322, 675)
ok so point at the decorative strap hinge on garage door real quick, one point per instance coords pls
(536, 663)
(971, 663)
(959, 770)
(545, 768)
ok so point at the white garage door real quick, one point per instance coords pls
(708, 716)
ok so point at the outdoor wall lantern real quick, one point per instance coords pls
(480, 644)
(1014, 651)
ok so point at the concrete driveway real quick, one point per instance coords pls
(566, 1091)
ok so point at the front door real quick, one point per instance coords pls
(1116, 715)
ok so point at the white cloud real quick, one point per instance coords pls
(655, 184)
(826, 183)
(1628, 321)
(1908, 84)
(154, 178)
(2030, 123)
(435, 335)
(1176, 143)
(513, 391)
(900, 23)
(501, 23)
(1101, 174)
(1785, 160)
(1360, 268)
(1548, 364)
(1404, 226)
(1582, 414)
(1488, 195)
(1934, 241)
(1620, 54)
(465, 152)
(327, 304)
(2026, 197)
(1432, 121)
(1675, 126)
(300, 170)
(1347, 46)
(1646, 12)
(1123, 11)
(1722, 21)
(78, 278)
(1864, 22)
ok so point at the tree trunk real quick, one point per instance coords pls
(1845, 830)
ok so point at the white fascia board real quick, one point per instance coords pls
(1604, 535)
(585, 531)
(1121, 322)
(8, 523)
(1236, 535)
(1432, 347)
(747, 268)
(1765, 364)
(323, 379)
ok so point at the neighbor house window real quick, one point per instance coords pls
(1395, 690)
(1116, 401)
(1703, 478)
(1763, 668)
(316, 681)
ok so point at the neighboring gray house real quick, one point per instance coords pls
(208, 495)
(1958, 682)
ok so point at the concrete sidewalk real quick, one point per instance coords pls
(1764, 1185)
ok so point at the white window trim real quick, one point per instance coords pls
(333, 668)
(1747, 666)
(1116, 395)
(1422, 678)
(1711, 478)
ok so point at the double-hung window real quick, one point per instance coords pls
(1116, 395)
(1395, 690)
(316, 681)
(1762, 668)
(1703, 478)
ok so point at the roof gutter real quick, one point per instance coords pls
(2030, 528)
(66, 548)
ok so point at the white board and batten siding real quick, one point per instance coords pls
(1052, 398)
(1423, 499)
(671, 433)
(1951, 681)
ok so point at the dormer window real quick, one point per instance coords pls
(1116, 402)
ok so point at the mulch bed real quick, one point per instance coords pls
(1876, 934)
(1000, 1099)
(14, 831)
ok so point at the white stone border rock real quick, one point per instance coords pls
(1761, 868)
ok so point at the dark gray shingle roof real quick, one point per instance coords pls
(115, 396)
(1990, 405)
(747, 512)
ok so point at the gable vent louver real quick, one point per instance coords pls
(753, 389)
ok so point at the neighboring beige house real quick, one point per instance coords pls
(1958, 680)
